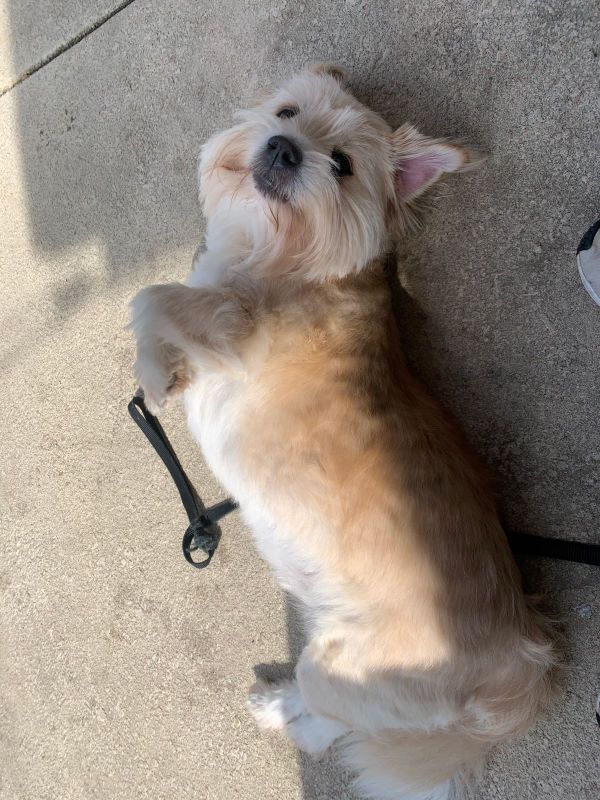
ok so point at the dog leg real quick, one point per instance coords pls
(314, 734)
(281, 707)
(273, 705)
(174, 324)
(161, 370)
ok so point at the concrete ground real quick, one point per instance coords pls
(123, 671)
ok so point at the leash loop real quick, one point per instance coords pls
(202, 532)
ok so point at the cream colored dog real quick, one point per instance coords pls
(360, 491)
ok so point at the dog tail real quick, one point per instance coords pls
(402, 765)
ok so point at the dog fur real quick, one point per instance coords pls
(359, 489)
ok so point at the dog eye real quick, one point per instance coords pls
(342, 165)
(288, 112)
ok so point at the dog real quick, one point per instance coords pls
(361, 493)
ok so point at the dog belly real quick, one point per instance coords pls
(214, 406)
(296, 572)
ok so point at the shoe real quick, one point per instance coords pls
(588, 261)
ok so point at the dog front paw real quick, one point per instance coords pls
(162, 372)
(152, 380)
(161, 369)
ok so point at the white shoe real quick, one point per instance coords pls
(588, 261)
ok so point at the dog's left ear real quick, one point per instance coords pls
(327, 68)
(419, 162)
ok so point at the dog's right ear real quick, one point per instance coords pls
(419, 161)
(334, 70)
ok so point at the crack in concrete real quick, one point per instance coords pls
(66, 46)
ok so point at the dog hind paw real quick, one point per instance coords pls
(274, 705)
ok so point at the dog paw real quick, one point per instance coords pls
(274, 705)
(161, 368)
(313, 734)
(163, 372)
(153, 381)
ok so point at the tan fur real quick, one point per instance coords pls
(326, 68)
(422, 646)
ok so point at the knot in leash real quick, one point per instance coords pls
(201, 534)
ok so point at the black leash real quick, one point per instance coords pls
(204, 534)
(563, 549)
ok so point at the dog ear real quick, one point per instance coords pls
(419, 162)
(334, 70)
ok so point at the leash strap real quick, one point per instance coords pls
(202, 532)
(563, 549)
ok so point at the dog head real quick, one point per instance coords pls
(314, 181)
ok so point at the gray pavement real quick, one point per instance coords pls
(32, 30)
(123, 672)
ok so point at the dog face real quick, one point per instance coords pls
(317, 181)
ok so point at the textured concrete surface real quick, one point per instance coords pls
(31, 30)
(123, 671)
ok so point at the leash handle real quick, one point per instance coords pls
(202, 533)
(154, 432)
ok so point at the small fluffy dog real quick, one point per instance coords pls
(359, 490)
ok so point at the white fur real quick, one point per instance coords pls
(281, 707)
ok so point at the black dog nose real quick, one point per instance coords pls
(284, 153)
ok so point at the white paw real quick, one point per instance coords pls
(152, 378)
(150, 368)
(314, 734)
(274, 705)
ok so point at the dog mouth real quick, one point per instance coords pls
(269, 186)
